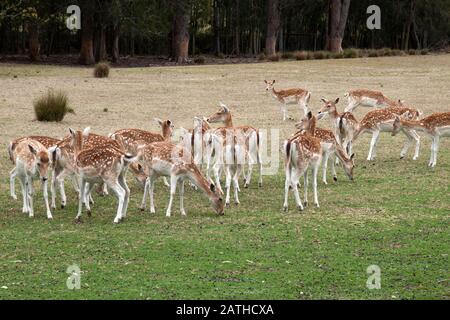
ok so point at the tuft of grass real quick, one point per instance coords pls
(424, 52)
(101, 70)
(351, 53)
(287, 55)
(372, 53)
(336, 55)
(319, 55)
(301, 55)
(261, 57)
(412, 52)
(200, 60)
(52, 107)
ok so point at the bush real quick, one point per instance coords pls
(351, 53)
(424, 52)
(385, 52)
(101, 70)
(373, 53)
(319, 55)
(52, 106)
(287, 55)
(412, 52)
(262, 57)
(199, 60)
(301, 55)
(274, 57)
(336, 55)
(396, 52)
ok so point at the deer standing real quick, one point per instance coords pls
(297, 96)
(435, 126)
(167, 159)
(367, 98)
(31, 157)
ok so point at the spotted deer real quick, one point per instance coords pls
(252, 144)
(32, 157)
(330, 147)
(194, 139)
(382, 120)
(301, 152)
(435, 126)
(367, 98)
(164, 158)
(297, 96)
(344, 124)
(101, 164)
(47, 142)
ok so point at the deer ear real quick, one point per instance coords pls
(352, 156)
(309, 115)
(32, 149)
(160, 122)
(86, 131)
(323, 100)
(265, 81)
(72, 132)
(169, 122)
(336, 101)
(139, 167)
(212, 187)
(273, 81)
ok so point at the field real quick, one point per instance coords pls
(394, 215)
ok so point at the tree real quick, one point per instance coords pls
(337, 19)
(87, 32)
(180, 40)
(273, 26)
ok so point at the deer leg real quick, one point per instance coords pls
(166, 183)
(183, 213)
(434, 150)
(324, 166)
(294, 182)
(120, 193)
(416, 137)
(216, 170)
(45, 193)
(287, 184)
(227, 184)
(123, 184)
(305, 179)
(333, 168)
(173, 189)
(23, 185)
(151, 186)
(82, 185)
(53, 189)
(315, 170)
(105, 189)
(63, 193)
(236, 182)
(144, 198)
(87, 191)
(30, 192)
(12, 187)
(372, 145)
(284, 111)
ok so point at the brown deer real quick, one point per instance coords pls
(367, 98)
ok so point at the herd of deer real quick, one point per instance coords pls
(89, 159)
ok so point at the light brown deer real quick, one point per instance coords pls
(382, 120)
(297, 96)
(367, 98)
(31, 157)
(435, 126)
(170, 160)
(330, 146)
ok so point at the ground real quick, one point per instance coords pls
(394, 215)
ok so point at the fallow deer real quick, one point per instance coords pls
(31, 157)
(330, 146)
(170, 160)
(289, 96)
(253, 148)
(301, 152)
(101, 164)
(367, 98)
(435, 126)
(382, 120)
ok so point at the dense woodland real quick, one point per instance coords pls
(182, 28)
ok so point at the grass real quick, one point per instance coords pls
(52, 107)
(101, 69)
(395, 214)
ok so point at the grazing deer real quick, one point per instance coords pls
(301, 152)
(382, 120)
(367, 98)
(435, 125)
(289, 96)
(170, 160)
(345, 124)
(330, 146)
(253, 148)
(31, 157)
(101, 164)
(47, 142)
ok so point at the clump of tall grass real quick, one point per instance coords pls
(301, 55)
(52, 107)
(101, 70)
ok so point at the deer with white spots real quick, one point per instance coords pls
(101, 164)
(297, 96)
(330, 147)
(367, 98)
(435, 126)
(167, 159)
(31, 158)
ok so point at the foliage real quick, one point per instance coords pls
(52, 107)
(101, 69)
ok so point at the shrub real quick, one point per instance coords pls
(274, 57)
(287, 55)
(373, 53)
(385, 52)
(336, 55)
(261, 57)
(412, 52)
(200, 60)
(52, 106)
(301, 55)
(424, 52)
(351, 53)
(396, 52)
(319, 55)
(101, 70)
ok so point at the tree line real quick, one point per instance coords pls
(179, 28)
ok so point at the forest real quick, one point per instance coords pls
(178, 29)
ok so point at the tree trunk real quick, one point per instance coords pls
(34, 46)
(216, 27)
(87, 33)
(102, 55)
(337, 20)
(273, 25)
(236, 49)
(180, 43)
(115, 45)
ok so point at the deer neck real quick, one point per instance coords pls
(228, 121)
(334, 114)
(166, 133)
(413, 124)
(200, 181)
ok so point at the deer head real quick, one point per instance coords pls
(166, 127)
(269, 85)
(42, 162)
(329, 106)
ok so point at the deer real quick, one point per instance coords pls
(195, 139)
(381, 120)
(289, 96)
(164, 158)
(31, 157)
(252, 145)
(101, 164)
(47, 142)
(330, 146)
(301, 152)
(435, 126)
(367, 98)
(344, 124)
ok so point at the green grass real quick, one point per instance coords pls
(395, 215)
